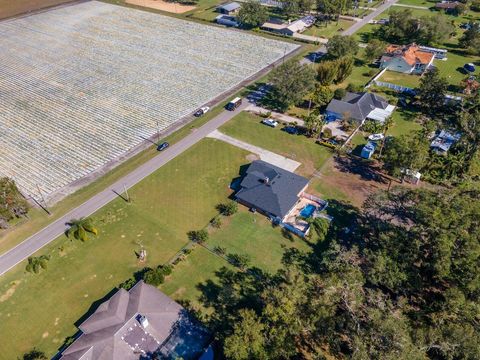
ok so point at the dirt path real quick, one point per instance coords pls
(162, 5)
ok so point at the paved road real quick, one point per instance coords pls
(56, 228)
(353, 29)
(265, 155)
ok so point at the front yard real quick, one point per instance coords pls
(248, 127)
(397, 78)
(327, 30)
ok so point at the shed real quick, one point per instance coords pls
(229, 8)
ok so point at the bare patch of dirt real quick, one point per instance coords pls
(10, 291)
(9, 8)
(162, 5)
(353, 178)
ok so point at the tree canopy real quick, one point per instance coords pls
(291, 82)
(340, 46)
(12, 203)
(252, 14)
(402, 283)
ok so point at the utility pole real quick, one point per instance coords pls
(126, 192)
(158, 133)
(45, 207)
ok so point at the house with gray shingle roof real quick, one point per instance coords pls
(229, 8)
(139, 323)
(270, 189)
(359, 106)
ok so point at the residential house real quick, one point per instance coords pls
(408, 59)
(444, 141)
(270, 189)
(280, 195)
(139, 323)
(359, 106)
(448, 6)
(229, 8)
(227, 20)
(297, 26)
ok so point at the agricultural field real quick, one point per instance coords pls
(114, 83)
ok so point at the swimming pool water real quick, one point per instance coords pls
(308, 210)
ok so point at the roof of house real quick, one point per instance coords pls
(412, 54)
(444, 141)
(115, 330)
(357, 105)
(446, 4)
(230, 6)
(270, 188)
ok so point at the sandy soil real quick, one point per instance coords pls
(10, 8)
(347, 176)
(161, 5)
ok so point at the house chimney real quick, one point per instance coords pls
(266, 180)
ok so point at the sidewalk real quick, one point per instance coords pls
(265, 155)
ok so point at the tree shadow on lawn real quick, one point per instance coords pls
(360, 167)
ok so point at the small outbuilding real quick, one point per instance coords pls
(442, 143)
(228, 8)
(368, 150)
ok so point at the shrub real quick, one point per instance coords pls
(199, 236)
(154, 277)
(327, 133)
(239, 260)
(220, 250)
(128, 284)
(339, 94)
(216, 222)
(354, 88)
(187, 251)
(166, 269)
(228, 209)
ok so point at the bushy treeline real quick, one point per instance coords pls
(12, 203)
(399, 280)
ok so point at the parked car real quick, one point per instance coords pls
(270, 122)
(375, 137)
(201, 111)
(235, 103)
(291, 130)
(163, 146)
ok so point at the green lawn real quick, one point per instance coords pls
(253, 235)
(424, 3)
(247, 127)
(179, 197)
(327, 30)
(398, 78)
(404, 122)
(452, 68)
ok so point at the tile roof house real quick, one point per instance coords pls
(409, 59)
(137, 324)
(359, 106)
(270, 189)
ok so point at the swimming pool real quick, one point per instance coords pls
(308, 210)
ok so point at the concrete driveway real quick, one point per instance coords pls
(265, 155)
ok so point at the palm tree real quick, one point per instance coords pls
(386, 126)
(80, 228)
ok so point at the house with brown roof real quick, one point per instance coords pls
(448, 6)
(408, 59)
(142, 323)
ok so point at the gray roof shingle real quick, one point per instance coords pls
(357, 105)
(114, 329)
(275, 196)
